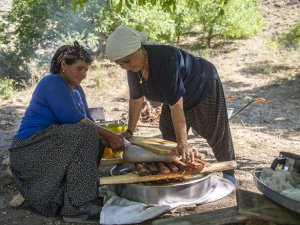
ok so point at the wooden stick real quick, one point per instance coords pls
(110, 162)
(135, 178)
(130, 178)
(219, 166)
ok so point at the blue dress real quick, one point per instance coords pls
(53, 102)
(54, 158)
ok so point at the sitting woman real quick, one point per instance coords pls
(55, 154)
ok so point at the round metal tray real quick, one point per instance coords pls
(159, 194)
(274, 195)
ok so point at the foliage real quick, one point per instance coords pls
(99, 80)
(34, 25)
(291, 38)
(29, 20)
(150, 16)
(38, 27)
(166, 5)
(244, 24)
(210, 17)
(6, 88)
(3, 31)
(39, 22)
(147, 18)
(78, 2)
(229, 18)
(184, 18)
(89, 26)
(13, 67)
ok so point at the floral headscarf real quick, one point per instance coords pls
(70, 54)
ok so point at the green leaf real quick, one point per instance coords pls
(119, 6)
(81, 4)
(74, 7)
(128, 4)
(153, 2)
(142, 2)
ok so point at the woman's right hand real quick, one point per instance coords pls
(187, 153)
(116, 142)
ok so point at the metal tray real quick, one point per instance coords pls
(160, 194)
(274, 195)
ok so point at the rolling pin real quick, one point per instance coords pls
(135, 178)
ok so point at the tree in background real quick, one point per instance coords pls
(35, 27)
(229, 19)
(24, 31)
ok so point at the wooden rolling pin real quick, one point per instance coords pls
(135, 178)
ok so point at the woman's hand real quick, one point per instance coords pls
(127, 134)
(186, 152)
(116, 142)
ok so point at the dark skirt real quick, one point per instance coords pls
(56, 170)
(209, 119)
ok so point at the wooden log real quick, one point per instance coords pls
(130, 178)
(219, 166)
(135, 178)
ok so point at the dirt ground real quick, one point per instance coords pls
(249, 69)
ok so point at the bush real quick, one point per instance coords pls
(229, 19)
(36, 27)
(7, 88)
(13, 67)
(158, 24)
(291, 38)
(242, 19)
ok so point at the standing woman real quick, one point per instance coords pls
(189, 88)
(55, 154)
